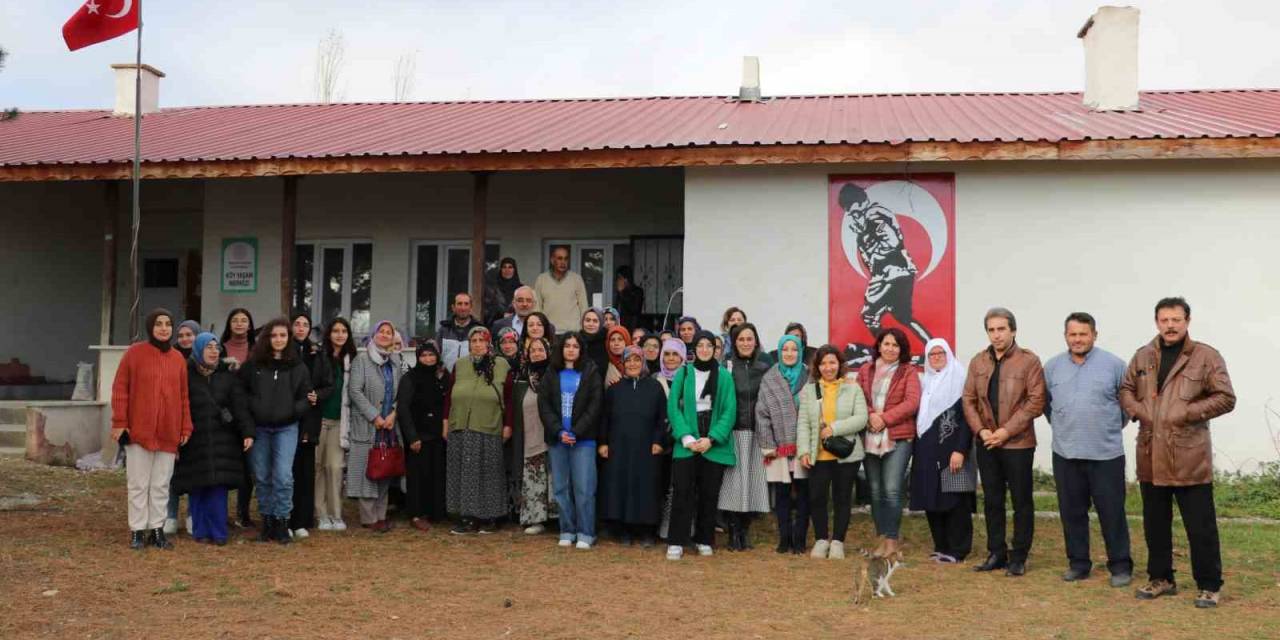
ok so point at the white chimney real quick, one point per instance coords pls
(1111, 59)
(750, 89)
(125, 89)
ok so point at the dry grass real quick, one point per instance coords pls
(410, 585)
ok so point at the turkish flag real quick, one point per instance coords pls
(100, 20)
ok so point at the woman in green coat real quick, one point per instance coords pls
(702, 408)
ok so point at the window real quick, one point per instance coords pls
(441, 269)
(160, 273)
(596, 261)
(334, 278)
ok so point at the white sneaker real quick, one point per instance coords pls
(301, 533)
(534, 530)
(565, 542)
(170, 526)
(190, 528)
(339, 525)
(837, 550)
(326, 523)
(583, 545)
(820, 549)
(675, 552)
(705, 550)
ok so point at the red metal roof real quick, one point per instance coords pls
(425, 128)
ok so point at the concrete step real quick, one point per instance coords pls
(13, 451)
(13, 435)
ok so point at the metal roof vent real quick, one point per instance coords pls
(750, 89)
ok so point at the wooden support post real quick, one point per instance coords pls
(479, 225)
(110, 230)
(288, 239)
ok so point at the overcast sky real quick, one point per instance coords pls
(264, 51)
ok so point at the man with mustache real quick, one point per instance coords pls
(1173, 387)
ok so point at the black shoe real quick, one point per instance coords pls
(280, 532)
(646, 541)
(1016, 568)
(138, 540)
(784, 542)
(159, 541)
(1074, 575)
(744, 537)
(464, 528)
(268, 529)
(992, 563)
(798, 540)
(625, 540)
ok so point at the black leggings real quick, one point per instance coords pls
(792, 511)
(836, 477)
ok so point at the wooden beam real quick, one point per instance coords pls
(288, 239)
(110, 231)
(479, 230)
(727, 155)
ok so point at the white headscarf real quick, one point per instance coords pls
(939, 389)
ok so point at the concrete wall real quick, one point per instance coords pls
(1043, 239)
(394, 210)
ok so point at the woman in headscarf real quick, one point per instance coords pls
(479, 422)
(593, 344)
(686, 328)
(423, 403)
(339, 350)
(670, 361)
(891, 384)
(277, 390)
(183, 341)
(702, 408)
(528, 441)
(806, 355)
(238, 337)
(943, 478)
(776, 415)
(651, 347)
(151, 418)
(569, 403)
(616, 340)
(509, 347)
(745, 491)
(211, 461)
(500, 291)
(611, 318)
(303, 516)
(631, 438)
(375, 379)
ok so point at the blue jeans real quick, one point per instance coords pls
(886, 475)
(272, 460)
(573, 478)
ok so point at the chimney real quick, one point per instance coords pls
(1111, 59)
(125, 89)
(750, 89)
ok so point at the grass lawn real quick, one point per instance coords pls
(406, 584)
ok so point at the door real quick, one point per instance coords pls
(162, 284)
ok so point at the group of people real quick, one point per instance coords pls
(551, 414)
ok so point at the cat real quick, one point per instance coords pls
(876, 572)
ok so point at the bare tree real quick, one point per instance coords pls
(7, 114)
(330, 58)
(402, 78)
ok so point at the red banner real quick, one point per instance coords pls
(891, 259)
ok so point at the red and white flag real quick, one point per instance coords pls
(100, 20)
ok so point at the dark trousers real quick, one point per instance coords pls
(837, 478)
(791, 507)
(1199, 517)
(697, 492)
(1101, 482)
(244, 493)
(303, 515)
(1007, 470)
(952, 530)
(425, 480)
(208, 509)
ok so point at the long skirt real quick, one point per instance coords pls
(535, 503)
(477, 482)
(745, 489)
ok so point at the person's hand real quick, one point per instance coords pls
(612, 376)
(390, 420)
(248, 442)
(1000, 437)
(957, 461)
(985, 434)
(877, 422)
(769, 455)
(825, 432)
(117, 433)
(506, 433)
(567, 439)
(444, 430)
(656, 449)
(603, 450)
(304, 439)
(806, 461)
(706, 444)
(183, 441)
(311, 397)
(416, 446)
(379, 422)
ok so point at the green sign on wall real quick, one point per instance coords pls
(239, 265)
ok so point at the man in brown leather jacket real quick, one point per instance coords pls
(1172, 388)
(1003, 395)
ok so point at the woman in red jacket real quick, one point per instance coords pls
(891, 384)
(151, 418)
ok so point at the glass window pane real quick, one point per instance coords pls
(361, 286)
(332, 279)
(425, 316)
(457, 275)
(304, 260)
(593, 274)
(492, 256)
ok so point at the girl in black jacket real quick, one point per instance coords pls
(320, 373)
(569, 403)
(212, 461)
(277, 390)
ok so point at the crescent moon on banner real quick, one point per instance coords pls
(908, 200)
(124, 10)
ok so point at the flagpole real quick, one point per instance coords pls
(137, 174)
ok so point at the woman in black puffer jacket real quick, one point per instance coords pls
(212, 460)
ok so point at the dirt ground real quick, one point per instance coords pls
(66, 572)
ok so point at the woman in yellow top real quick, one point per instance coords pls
(830, 407)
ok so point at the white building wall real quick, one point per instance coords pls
(1043, 239)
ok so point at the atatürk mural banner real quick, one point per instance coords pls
(891, 259)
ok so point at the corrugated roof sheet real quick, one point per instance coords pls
(426, 128)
